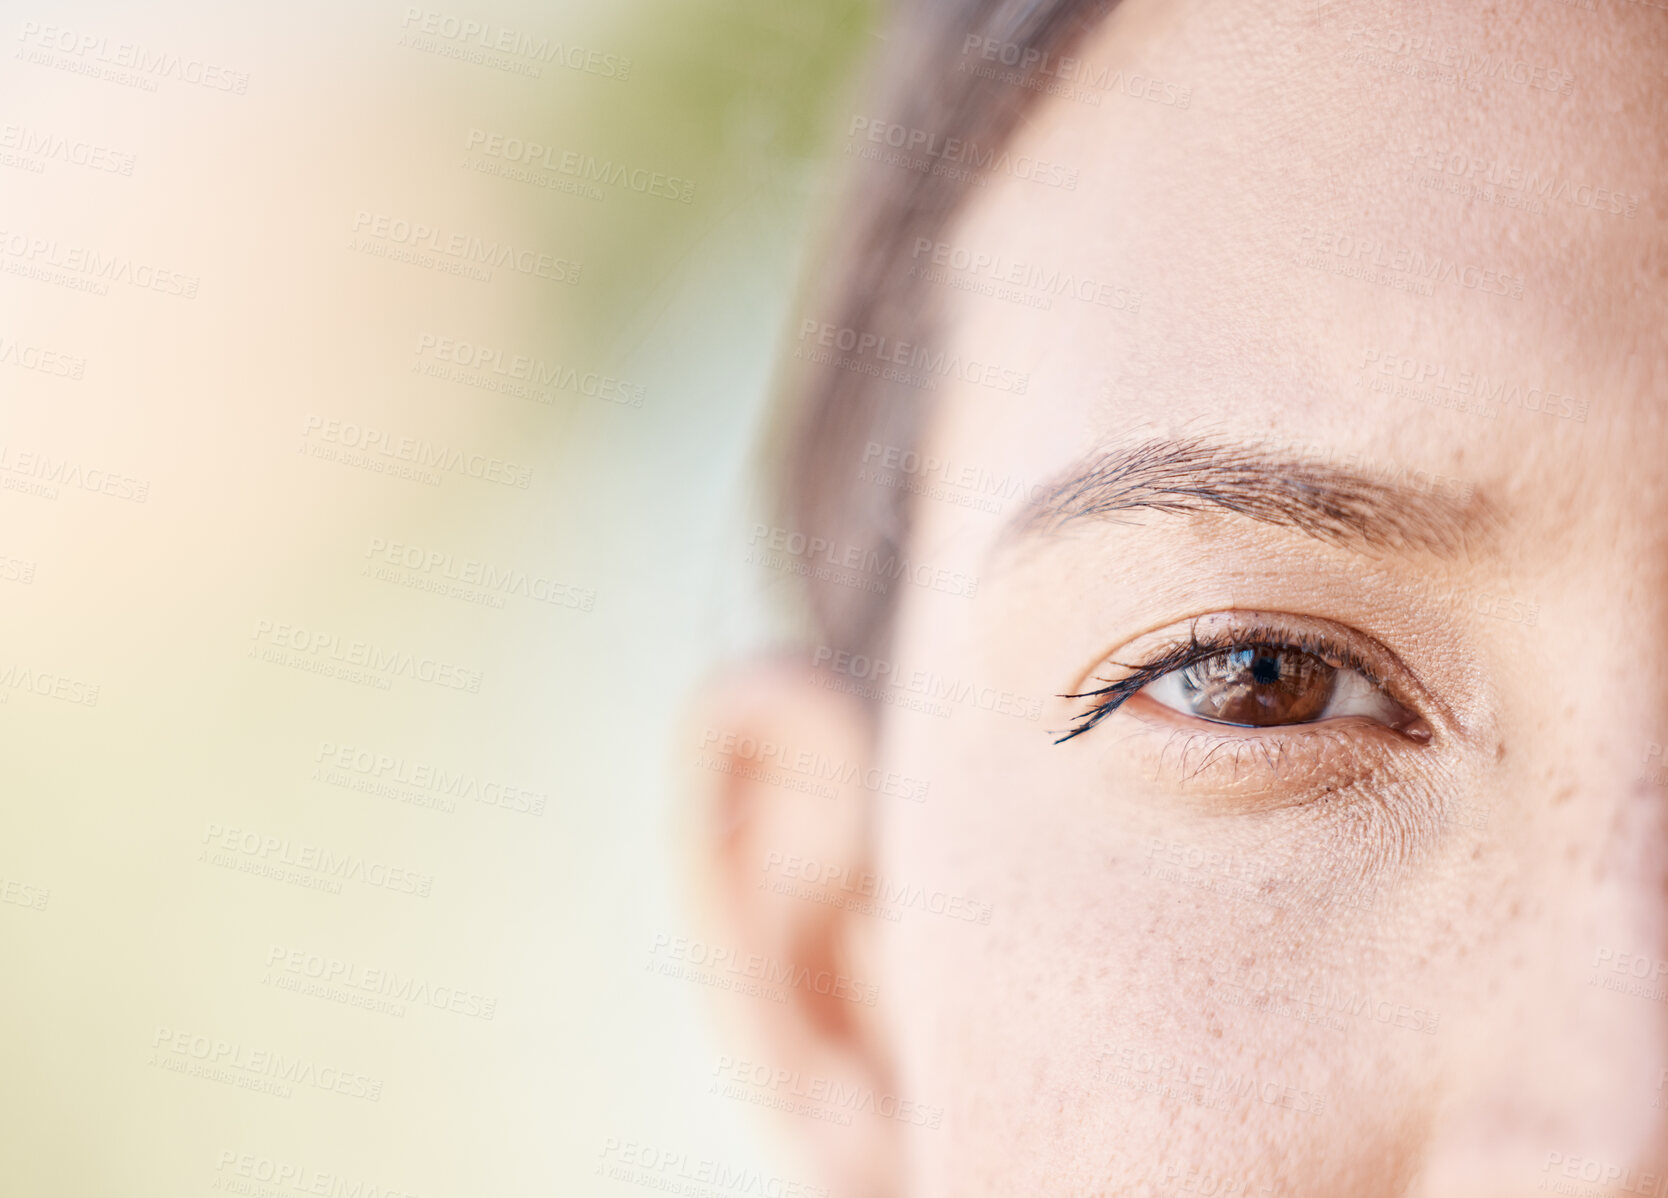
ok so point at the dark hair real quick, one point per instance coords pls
(936, 87)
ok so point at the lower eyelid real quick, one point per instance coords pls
(1342, 801)
(1277, 766)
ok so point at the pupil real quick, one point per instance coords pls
(1265, 668)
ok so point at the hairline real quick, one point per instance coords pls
(836, 414)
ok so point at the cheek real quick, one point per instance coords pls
(1145, 979)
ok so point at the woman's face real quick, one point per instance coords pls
(1354, 363)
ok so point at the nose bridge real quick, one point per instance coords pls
(1562, 1078)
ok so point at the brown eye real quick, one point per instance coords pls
(1254, 685)
(1259, 679)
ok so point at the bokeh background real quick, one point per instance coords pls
(373, 489)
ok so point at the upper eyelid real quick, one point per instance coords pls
(1126, 686)
(1138, 677)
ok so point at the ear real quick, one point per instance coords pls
(780, 825)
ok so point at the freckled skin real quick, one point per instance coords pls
(1359, 965)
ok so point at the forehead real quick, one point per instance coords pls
(1422, 242)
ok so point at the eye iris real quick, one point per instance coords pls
(1259, 686)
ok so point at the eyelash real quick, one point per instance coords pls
(1117, 692)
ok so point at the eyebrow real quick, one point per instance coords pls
(1340, 505)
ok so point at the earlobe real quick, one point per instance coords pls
(777, 816)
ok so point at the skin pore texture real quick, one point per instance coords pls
(1321, 959)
